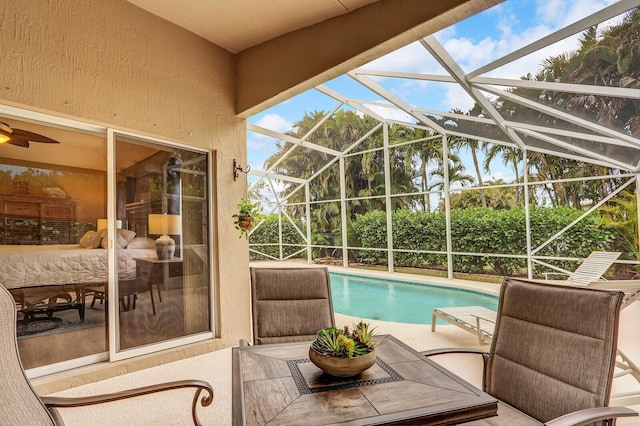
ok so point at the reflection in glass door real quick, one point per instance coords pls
(52, 258)
(162, 250)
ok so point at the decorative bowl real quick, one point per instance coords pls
(342, 367)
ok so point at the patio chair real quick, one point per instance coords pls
(481, 322)
(290, 304)
(552, 355)
(20, 405)
(591, 269)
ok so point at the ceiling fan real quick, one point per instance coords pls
(19, 137)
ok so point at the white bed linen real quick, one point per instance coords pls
(29, 266)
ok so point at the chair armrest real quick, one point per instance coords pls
(199, 385)
(444, 351)
(590, 415)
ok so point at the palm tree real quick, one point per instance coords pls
(509, 156)
(456, 173)
(364, 172)
(427, 152)
(621, 213)
(473, 145)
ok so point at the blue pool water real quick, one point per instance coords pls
(399, 301)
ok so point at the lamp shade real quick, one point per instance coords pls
(165, 224)
(103, 224)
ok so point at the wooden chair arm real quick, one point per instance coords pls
(199, 385)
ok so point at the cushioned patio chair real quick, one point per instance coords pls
(290, 304)
(552, 355)
(481, 322)
(19, 403)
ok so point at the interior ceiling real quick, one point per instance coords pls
(76, 149)
(236, 25)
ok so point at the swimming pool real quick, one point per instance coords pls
(399, 301)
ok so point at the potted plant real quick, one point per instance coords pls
(344, 352)
(245, 217)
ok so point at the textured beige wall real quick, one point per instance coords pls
(109, 62)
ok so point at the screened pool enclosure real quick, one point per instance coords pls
(523, 174)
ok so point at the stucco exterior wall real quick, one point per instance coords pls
(110, 63)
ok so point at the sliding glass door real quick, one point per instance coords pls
(162, 251)
(105, 242)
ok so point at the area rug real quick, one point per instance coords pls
(37, 325)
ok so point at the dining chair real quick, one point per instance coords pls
(21, 405)
(290, 304)
(552, 356)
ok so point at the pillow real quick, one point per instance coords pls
(142, 243)
(86, 239)
(127, 235)
(92, 239)
(122, 243)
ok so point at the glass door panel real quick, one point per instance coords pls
(163, 273)
(52, 260)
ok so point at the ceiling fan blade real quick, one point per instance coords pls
(30, 137)
(18, 142)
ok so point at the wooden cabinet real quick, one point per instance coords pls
(28, 219)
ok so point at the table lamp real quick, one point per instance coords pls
(165, 224)
(103, 224)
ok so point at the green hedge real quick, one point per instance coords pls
(479, 230)
(267, 233)
(474, 230)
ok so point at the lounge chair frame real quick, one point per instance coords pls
(474, 319)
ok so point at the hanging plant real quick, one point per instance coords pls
(244, 219)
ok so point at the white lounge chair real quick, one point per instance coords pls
(474, 319)
(591, 269)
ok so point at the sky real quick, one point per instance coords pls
(474, 42)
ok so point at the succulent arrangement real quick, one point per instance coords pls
(345, 342)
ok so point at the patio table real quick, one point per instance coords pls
(278, 385)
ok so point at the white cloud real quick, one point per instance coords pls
(391, 113)
(411, 58)
(504, 174)
(513, 33)
(274, 122)
(260, 146)
(456, 97)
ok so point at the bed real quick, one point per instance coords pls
(50, 278)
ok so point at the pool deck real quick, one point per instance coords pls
(215, 367)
